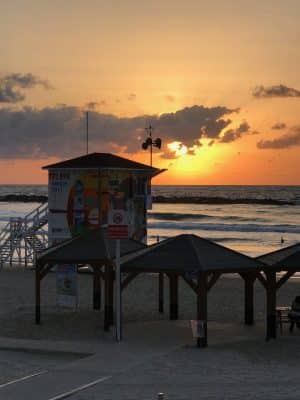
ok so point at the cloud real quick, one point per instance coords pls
(10, 85)
(290, 139)
(59, 131)
(275, 91)
(170, 98)
(132, 97)
(233, 134)
(279, 126)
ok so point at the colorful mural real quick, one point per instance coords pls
(81, 200)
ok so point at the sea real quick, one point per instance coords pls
(251, 228)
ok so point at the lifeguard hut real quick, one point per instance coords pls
(82, 191)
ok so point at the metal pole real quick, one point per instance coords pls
(118, 293)
(87, 132)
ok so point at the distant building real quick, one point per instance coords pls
(82, 190)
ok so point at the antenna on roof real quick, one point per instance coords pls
(87, 132)
(149, 142)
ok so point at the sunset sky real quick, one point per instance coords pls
(219, 81)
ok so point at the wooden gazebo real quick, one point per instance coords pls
(95, 249)
(199, 262)
(286, 261)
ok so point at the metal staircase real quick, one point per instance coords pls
(22, 238)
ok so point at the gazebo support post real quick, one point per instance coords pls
(202, 310)
(111, 296)
(249, 280)
(161, 292)
(173, 280)
(97, 287)
(106, 297)
(37, 294)
(271, 305)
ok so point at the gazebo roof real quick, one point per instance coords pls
(288, 257)
(103, 161)
(93, 247)
(189, 253)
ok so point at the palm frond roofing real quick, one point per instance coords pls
(92, 247)
(189, 253)
(288, 257)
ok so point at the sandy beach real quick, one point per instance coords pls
(156, 354)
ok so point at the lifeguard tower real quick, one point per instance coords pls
(82, 191)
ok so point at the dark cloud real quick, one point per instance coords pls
(290, 139)
(233, 134)
(59, 131)
(11, 84)
(279, 126)
(170, 98)
(132, 97)
(275, 91)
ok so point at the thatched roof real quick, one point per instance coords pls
(94, 247)
(286, 258)
(189, 253)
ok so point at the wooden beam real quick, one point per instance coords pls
(271, 305)
(262, 279)
(191, 283)
(161, 292)
(284, 278)
(202, 310)
(96, 288)
(249, 280)
(130, 277)
(111, 295)
(106, 298)
(173, 292)
(213, 279)
(37, 295)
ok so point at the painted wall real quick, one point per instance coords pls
(80, 200)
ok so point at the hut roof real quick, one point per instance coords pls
(93, 247)
(103, 161)
(189, 253)
(288, 257)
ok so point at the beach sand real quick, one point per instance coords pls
(158, 354)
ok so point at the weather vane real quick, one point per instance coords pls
(149, 142)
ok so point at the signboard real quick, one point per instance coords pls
(118, 224)
(66, 285)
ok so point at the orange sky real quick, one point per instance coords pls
(152, 58)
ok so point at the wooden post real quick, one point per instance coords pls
(161, 292)
(111, 296)
(173, 281)
(202, 310)
(96, 287)
(249, 280)
(37, 295)
(271, 305)
(106, 297)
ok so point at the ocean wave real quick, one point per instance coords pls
(212, 238)
(165, 216)
(226, 227)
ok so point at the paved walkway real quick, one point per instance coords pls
(161, 356)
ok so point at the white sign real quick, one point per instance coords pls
(66, 285)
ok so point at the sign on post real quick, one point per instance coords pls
(118, 224)
(118, 229)
(66, 285)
